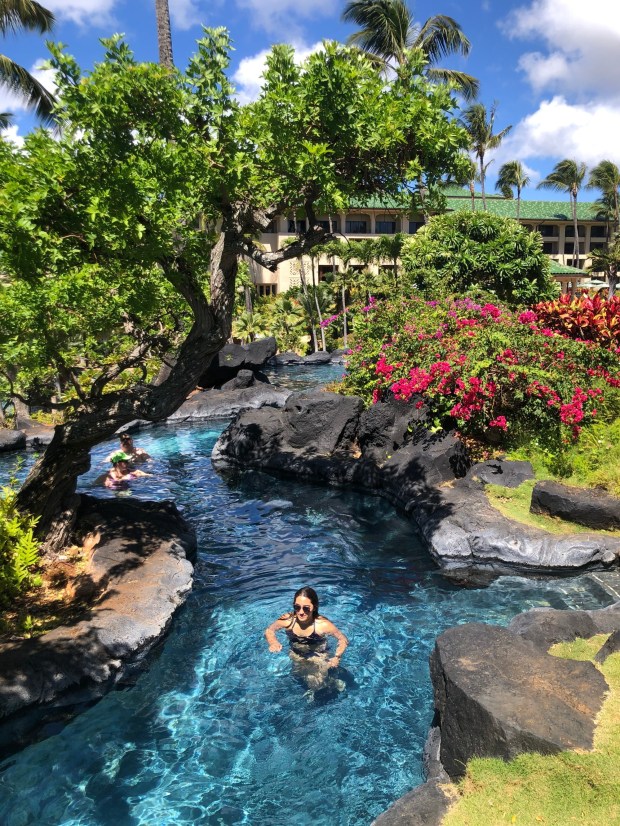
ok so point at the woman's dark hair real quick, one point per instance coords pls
(312, 595)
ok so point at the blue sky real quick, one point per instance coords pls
(553, 66)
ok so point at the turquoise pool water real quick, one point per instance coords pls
(217, 731)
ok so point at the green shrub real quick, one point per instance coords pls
(487, 371)
(461, 250)
(19, 550)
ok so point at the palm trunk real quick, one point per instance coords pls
(518, 203)
(316, 302)
(344, 315)
(304, 287)
(482, 177)
(164, 35)
(576, 242)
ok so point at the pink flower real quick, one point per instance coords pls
(527, 317)
(499, 421)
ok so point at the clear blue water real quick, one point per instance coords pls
(217, 731)
(303, 377)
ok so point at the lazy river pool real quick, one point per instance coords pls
(217, 731)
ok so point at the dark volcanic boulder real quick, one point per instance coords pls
(592, 508)
(318, 358)
(11, 440)
(546, 626)
(509, 474)
(320, 422)
(498, 695)
(222, 404)
(243, 379)
(234, 357)
(386, 426)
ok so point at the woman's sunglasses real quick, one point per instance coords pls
(302, 609)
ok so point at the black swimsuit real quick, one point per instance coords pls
(314, 643)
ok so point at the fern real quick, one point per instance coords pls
(19, 550)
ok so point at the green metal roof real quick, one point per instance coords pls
(460, 199)
(564, 269)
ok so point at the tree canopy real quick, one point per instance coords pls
(461, 251)
(120, 239)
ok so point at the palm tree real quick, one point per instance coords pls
(607, 260)
(29, 15)
(512, 174)
(391, 247)
(164, 36)
(606, 177)
(479, 125)
(567, 176)
(388, 32)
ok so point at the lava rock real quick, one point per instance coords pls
(509, 474)
(243, 379)
(223, 404)
(234, 357)
(547, 626)
(320, 422)
(611, 646)
(499, 695)
(592, 508)
(12, 440)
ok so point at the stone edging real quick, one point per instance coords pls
(427, 804)
(142, 565)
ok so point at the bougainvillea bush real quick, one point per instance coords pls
(495, 375)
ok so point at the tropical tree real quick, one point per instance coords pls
(606, 177)
(388, 32)
(462, 251)
(32, 16)
(512, 174)
(567, 176)
(391, 247)
(479, 126)
(112, 267)
(607, 260)
(164, 35)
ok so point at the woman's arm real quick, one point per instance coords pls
(330, 628)
(270, 633)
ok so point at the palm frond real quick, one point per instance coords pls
(467, 85)
(24, 14)
(441, 36)
(19, 81)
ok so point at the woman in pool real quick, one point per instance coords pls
(307, 633)
(120, 475)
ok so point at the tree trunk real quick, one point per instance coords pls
(573, 200)
(316, 302)
(482, 177)
(344, 315)
(164, 35)
(304, 287)
(49, 490)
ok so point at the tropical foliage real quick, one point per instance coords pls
(32, 16)
(479, 125)
(19, 550)
(389, 33)
(494, 374)
(567, 176)
(581, 317)
(512, 174)
(462, 250)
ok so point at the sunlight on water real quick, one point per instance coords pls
(218, 731)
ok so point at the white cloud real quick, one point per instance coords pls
(184, 14)
(248, 77)
(281, 15)
(559, 129)
(582, 40)
(83, 12)
(12, 134)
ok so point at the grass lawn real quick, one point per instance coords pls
(571, 787)
(515, 504)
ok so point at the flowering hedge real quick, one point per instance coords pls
(581, 317)
(495, 375)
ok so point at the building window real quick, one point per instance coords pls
(326, 270)
(356, 226)
(569, 232)
(550, 247)
(272, 227)
(296, 226)
(569, 248)
(267, 289)
(598, 232)
(385, 227)
(414, 226)
(597, 245)
(325, 225)
(548, 230)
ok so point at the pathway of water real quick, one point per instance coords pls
(217, 731)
